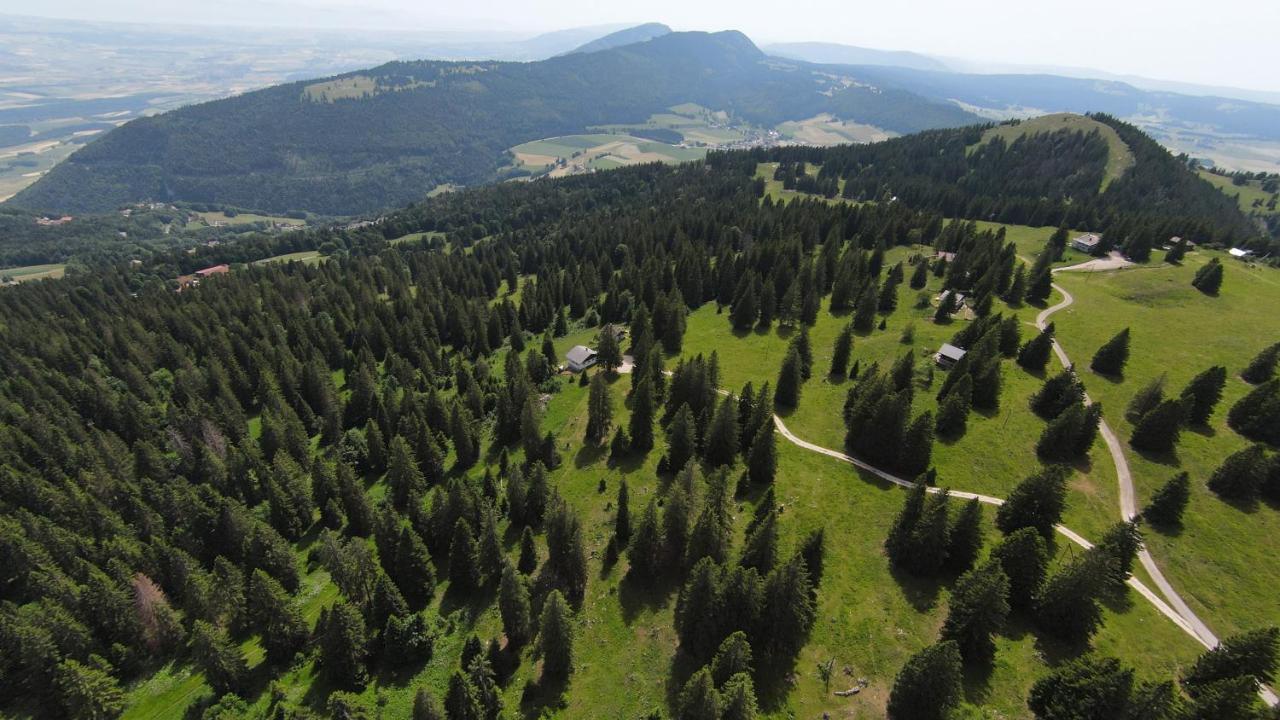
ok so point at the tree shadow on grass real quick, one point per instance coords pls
(977, 681)
(1168, 458)
(921, 592)
(1203, 430)
(636, 595)
(589, 455)
(774, 682)
(543, 695)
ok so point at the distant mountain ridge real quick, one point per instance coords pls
(381, 137)
(639, 33)
(838, 54)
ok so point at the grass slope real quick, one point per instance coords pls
(1222, 561)
(1119, 159)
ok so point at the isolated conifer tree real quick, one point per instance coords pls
(1159, 429)
(841, 352)
(599, 410)
(1202, 394)
(1241, 476)
(566, 557)
(1086, 687)
(1169, 502)
(978, 608)
(1037, 502)
(1208, 279)
(622, 518)
(1034, 355)
(812, 550)
(1024, 557)
(609, 352)
(1176, 253)
(555, 638)
(1263, 366)
(929, 685)
(790, 377)
(1257, 415)
(920, 276)
(1110, 359)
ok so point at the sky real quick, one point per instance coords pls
(1227, 42)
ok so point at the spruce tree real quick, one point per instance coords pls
(1208, 279)
(1068, 605)
(1263, 366)
(640, 430)
(698, 609)
(1251, 654)
(1257, 415)
(733, 657)
(1086, 687)
(1159, 429)
(622, 518)
(722, 435)
(978, 607)
(953, 411)
(738, 699)
(599, 410)
(1110, 359)
(555, 638)
(1057, 394)
(609, 354)
(275, 616)
(789, 609)
(1037, 502)
(920, 276)
(787, 392)
(699, 699)
(645, 551)
(528, 561)
(460, 700)
(566, 557)
(760, 549)
(426, 707)
(964, 539)
(464, 559)
(1034, 355)
(1023, 555)
(412, 569)
(1202, 394)
(343, 647)
(1240, 477)
(1040, 286)
(220, 660)
(1120, 545)
(682, 439)
(87, 692)
(929, 685)
(1169, 502)
(1146, 400)
(762, 460)
(842, 351)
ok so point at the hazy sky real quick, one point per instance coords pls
(1224, 42)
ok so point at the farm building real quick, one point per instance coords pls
(1240, 253)
(1086, 243)
(957, 301)
(580, 358)
(948, 355)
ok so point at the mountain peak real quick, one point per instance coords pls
(627, 36)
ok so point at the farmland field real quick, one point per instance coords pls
(33, 272)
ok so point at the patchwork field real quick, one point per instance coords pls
(1251, 196)
(557, 157)
(222, 218)
(825, 129)
(33, 272)
(309, 257)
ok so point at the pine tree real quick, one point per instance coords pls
(645, 551)
(698, 699)
(343, 647)
(1057, 394)
(1208, 279)
(1263, 366)
(1251, 654)
(841, 352)
(929, 685)
(460, 700)
(919, 276)
(274, 615)
(528, 561)
(484, 680)
(222, 663)
(642, 411)
(746, 308)
(698, 609)
(738, 699)
(762, 460)
(1023, 555)
(599, 410)
(733, 657)
(412, 569)
(555, 638)
(722, 435)
(1202, 394)
(953, 411)
(1257, 415)
(1037, 502)
(760, 550)
(87, 692)
(1146, 400)
(1176, 253)
(964, 538)
(1110, 359)
(404, 479)
(1241, 476)
(787, 392)
(1120, 545)
(1159, 429)
(978, 608)
(1034, 356)
(1068, 606)
(1086, 687)
(1169, 502)
(464, 559)
(789, 609)
(1040, 286)
(566, 558)
(682, 439)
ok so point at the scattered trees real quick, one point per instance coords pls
(929, 685)
(1110, 359)
(1208, 279)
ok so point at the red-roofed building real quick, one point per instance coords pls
(215, 270)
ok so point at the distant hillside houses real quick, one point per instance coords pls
(192, 280)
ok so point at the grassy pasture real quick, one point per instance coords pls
(825, 129)
(34, 272)
(598, 151)
(1250, 196)
(1119, 159)
(1222, 560)
(309, 257)
(210, 218)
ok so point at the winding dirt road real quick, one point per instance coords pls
(1171, 605)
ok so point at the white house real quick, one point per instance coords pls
(1240, 253)
(581, 357)
(1086, 243)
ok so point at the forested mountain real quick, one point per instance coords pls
(837, 54)
(382, 137)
